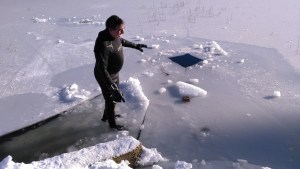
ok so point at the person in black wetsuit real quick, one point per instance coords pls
(109, 61)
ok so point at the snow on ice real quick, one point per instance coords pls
(72, 93)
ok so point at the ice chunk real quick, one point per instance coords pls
(186, 89)
(194, 81)
(154, 46)
(162, 90)
(205, 62)
(183, 165)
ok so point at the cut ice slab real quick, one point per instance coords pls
(186, 89)
(186, 60)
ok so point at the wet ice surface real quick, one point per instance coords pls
(242, 116)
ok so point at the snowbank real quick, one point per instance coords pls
(94, 157)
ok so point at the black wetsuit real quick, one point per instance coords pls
(109, 57)
(109, 61)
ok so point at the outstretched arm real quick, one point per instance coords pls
(127, 43)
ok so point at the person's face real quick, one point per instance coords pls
(116, 33)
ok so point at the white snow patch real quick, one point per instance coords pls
(214, 48)
(186, 89)
(149, 74)
(110, 164)
(150, 156)
(266, 168)
(39, 20)
(72, 93)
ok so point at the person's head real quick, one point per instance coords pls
(115, 26)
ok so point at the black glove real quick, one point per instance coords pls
(140, 46)
(116, 94)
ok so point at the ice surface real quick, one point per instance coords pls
(46, 48)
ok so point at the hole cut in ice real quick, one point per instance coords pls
(186, 60)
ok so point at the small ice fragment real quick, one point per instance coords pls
(149, 74)
(242, 161)
(155, 46)
(60, 41)
(162, 90)
(169, 81)
(183, 165)
(156, 167)
(277, 93)
(143, 61)
(195, 161)
(203, 162)
(196, 46)
(194, 81)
